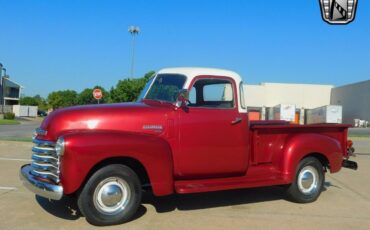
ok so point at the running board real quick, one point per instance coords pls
(257, 176)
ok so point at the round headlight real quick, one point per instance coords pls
(59, 146)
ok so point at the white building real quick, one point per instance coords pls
(355, 100)
(306, 96)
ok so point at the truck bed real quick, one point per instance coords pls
(269, 138)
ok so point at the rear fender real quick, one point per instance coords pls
(87, 149)
(302, 145)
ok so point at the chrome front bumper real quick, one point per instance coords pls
(41, 188)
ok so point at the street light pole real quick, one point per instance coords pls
(133, 30)
(2, 87)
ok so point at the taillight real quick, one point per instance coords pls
(350, 149)
(349, 144)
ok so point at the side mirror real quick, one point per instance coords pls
(182, 98)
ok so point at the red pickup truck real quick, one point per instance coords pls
(188, 132)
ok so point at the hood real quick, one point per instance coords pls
(129, 117)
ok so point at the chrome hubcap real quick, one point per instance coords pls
(308, 180)
(112, 195)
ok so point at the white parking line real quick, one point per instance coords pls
(8, 188)
(13, 159)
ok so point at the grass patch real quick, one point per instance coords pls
(21, 139)
(9, 122)
(359, 136)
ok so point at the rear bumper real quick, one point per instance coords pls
(41, 188)
(349, 164)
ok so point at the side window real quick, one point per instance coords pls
(212, 93)
(217, 92)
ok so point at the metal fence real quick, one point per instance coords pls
(7, 109)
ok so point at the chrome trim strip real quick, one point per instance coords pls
(44, 158)
(40, 131)
(45, 167)
(45, 174)
(49, 191)
(43, 143)
(43, 150)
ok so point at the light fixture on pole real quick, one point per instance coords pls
(133, 30)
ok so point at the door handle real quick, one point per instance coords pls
(236, 121)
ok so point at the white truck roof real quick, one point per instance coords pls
(192, 72)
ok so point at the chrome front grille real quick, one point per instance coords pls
(45, 161)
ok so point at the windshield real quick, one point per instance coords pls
(145, 89)
(166, 87)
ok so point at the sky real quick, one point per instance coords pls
(74, 44)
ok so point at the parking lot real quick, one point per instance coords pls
(344, 204)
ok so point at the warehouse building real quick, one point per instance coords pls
(355, 100)
(263, 99)
(306, 96)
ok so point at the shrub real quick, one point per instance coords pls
(9, 116)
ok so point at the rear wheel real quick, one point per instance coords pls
(308, 182)
(112, 195)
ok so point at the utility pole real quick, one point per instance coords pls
(133, 30)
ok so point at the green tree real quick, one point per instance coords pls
(125, 91)
(148, 75)
(86, 96)
(28, 101)
(34, 101)
(60, 99)
(41, 102)
(129, 89)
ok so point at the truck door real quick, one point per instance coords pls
(212, 133)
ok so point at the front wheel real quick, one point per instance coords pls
(112, 195)
(308, 182)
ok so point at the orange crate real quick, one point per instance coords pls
(254, 115)
(296, 118)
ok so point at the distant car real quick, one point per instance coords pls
(41, 113)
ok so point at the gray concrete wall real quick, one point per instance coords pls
(355, 99)
(7, 109)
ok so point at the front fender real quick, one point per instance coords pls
(302, 145)
(84, 150)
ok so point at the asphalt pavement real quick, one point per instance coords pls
(359, 131)
(25, 129)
